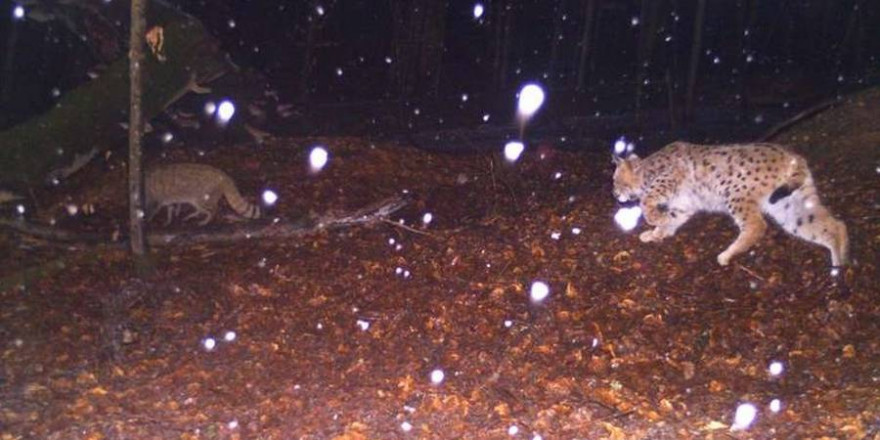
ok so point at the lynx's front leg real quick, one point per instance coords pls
(665, 221)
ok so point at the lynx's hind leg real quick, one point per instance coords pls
(803, 215)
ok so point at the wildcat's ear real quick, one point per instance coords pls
(615, 159)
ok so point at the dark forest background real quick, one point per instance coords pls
(658, 63)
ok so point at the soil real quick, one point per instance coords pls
(338, 335)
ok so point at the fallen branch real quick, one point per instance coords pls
(786, 124)
(372, 214)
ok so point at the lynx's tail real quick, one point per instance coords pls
(238, 204)
(798, 175)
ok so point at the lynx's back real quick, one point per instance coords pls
(200, 186)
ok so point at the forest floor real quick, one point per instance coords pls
(338, 335)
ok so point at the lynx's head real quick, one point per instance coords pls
(628, 178)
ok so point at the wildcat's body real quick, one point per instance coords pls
(744, 181)
(200, 186)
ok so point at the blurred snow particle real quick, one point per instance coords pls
(759, 119)
(319, 9)
(338, 71)
(508, 323)
(210, 108)
(628, 218)
(513, 430)
(231, 23)
(835, 271)
(269, 197)
(486, 119)
(229, 336)
(388, 60)
(555, 235)
(318, 158)
(209, 343)
(634, 21)
(56, 92)
(464, 97)
(19, 209)
(18, 12)
(531, 97)
(775, 368)
(576, 231)
(539, 291)
(537, 437)
(716, 60)
(232, 425)
(775, 405)
(363, 325)
(406, 427)
(512, 150)
(426, 219)
(225, 111)
(557, 175)
(437, 376)
(72, 209)
(745, 415)
(478, 10)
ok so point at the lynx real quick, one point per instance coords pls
(200, 186)
(742, 181)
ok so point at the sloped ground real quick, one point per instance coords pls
(337, 335)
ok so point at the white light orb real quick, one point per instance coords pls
(775, 368)
(775, 405)
(406, 427)
(437, 376)
(225, 111)
(627, 218)
(531, 97)
(620, 146)
(513, 430)
(539, 291)
(210, 108)
(229, 336)
(318, 158)
(512, 150)
(487, 116)
(19, 209)
(338, 71)
(319, 9)
(209, 344)
(744, 417)
(363, 325)
(479, 9)
(167, 137)
(426, 219)
(18, 12)
(269, 197)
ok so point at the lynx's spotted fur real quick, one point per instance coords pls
(744, 181)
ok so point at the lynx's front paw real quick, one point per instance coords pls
(724, 258)
(648, 236)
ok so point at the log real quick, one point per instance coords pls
(369, 215)
(90, 118)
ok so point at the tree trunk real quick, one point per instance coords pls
(696, 48)
(136, 127)
(586, 40)
(650, 18)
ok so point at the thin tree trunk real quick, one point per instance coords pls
(586, 41)
(650, 17)
(136, 127)
(307, 60)
(8, 62)
(696, 48)
(558, 13)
